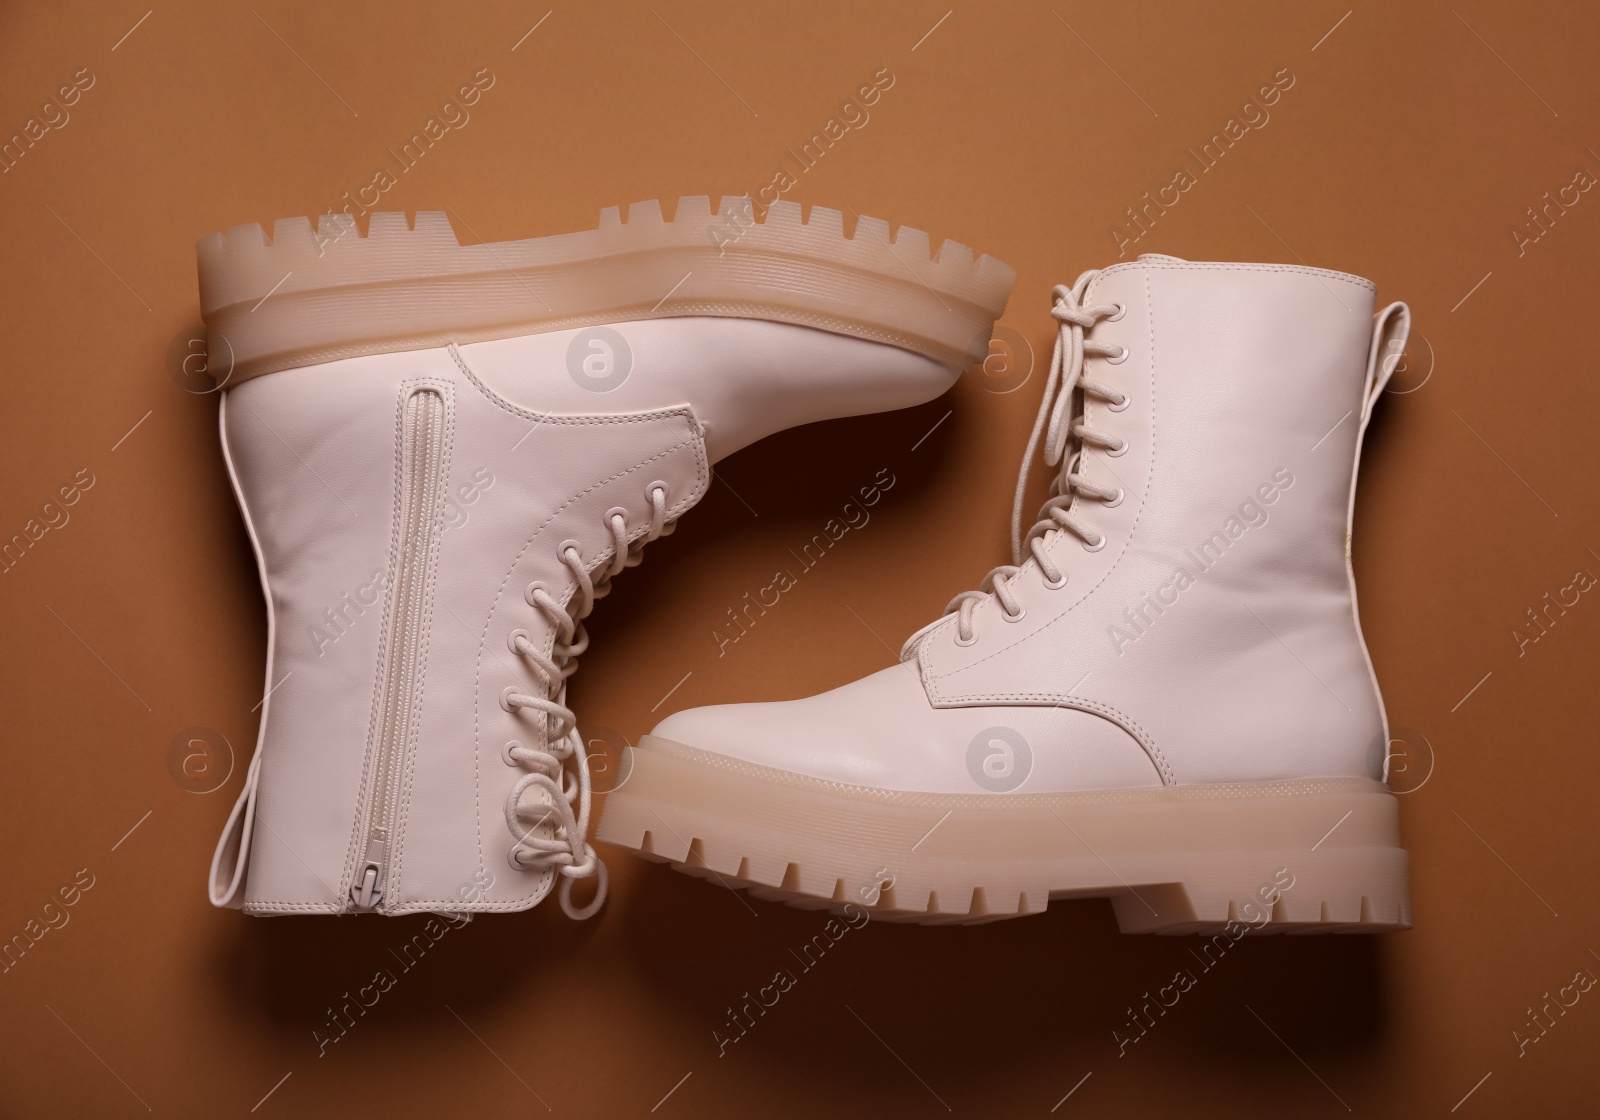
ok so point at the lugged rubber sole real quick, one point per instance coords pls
(307, 296)
(1315, 855)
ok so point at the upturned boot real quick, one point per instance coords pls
(1164, 699)
(445, 453)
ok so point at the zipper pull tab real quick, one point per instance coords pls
(365, 893)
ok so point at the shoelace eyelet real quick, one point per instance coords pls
(615, 511)
(1057, 585)
(650, 490)
(1113, 503)
(505, 752)
(1097, 545)
(528, 592)
(972, 641)
(1118, 451)
(1122, 309)
(1120, 357)
(1018, 617)
(505, 699)
(561, 549)
(511, 639)
(1120, 406)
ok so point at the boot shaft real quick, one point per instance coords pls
(1216, 621)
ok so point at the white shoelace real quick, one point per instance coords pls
(1065, 437)
(566, 845)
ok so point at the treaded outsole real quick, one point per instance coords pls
(307, 295)
(817, 845)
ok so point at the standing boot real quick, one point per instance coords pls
(445, 453)
(1164, 699)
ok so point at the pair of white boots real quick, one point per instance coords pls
(445, 453)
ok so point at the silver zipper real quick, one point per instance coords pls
(421, 464)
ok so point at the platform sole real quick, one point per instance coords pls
(306, 296)
(1316, 855)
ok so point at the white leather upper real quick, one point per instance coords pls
(1248, 389)
(532, 459)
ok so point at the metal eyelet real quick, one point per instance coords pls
(1122, 309)
(561, 549)
(511, 639)
(1113, 503)
(505, 699)
(649, 490)
(528, 592)
(1118, 451)
(1096, 546)
(1055, 586)
(1018, 617)
(505, 752)
(1120, 406)
(1120, 357)
(614, 511)
(972, 641)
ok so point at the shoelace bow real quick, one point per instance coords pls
(566, 845)
(1065, 436)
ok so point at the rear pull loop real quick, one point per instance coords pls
(232, 856)
(1391, 327)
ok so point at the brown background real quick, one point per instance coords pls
(1407, 150)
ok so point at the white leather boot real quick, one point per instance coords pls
(1165, 699)
(445, 453)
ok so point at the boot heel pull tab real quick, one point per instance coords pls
(233, 848)
(1391, 327)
